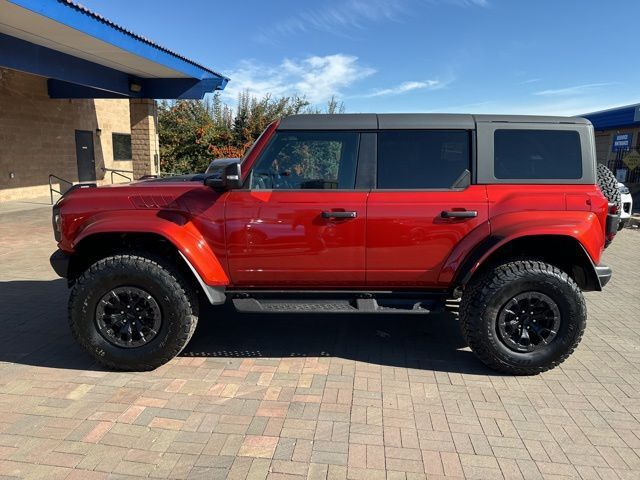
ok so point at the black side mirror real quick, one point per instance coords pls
(229, 179)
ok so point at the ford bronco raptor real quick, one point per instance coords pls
(353, 213)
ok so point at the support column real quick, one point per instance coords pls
(144, 136)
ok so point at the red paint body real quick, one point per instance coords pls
(279, 239)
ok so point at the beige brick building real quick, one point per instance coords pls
(37, 137)
(77, 98)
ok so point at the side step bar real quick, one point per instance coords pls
(333, 302)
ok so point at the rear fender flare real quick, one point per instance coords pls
(582, 227)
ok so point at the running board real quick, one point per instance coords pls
(247, 302)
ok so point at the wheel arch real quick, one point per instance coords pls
(189, 259)
(564, 251)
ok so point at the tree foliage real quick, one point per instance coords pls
(194, 132)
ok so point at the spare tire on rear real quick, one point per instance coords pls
(608, 185)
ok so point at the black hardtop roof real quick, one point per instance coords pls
(409, 121)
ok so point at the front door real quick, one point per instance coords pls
(84, 156)
(422, 208)
(300, 221)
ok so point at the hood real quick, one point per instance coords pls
(190, 177)
(183, 192)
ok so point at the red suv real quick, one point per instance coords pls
(359, 213)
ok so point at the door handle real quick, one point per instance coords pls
(339, 214)
(459, 214)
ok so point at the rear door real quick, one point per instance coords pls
(423, 206)
(301, 221)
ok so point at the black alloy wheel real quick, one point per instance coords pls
(528, 322)
(128, 317)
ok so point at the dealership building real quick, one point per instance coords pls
(77, 97)
(618, 144)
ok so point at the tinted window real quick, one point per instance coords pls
(307, 160)
(537, 154)
(121, 146)
(422, 159)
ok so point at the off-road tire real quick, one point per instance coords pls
(608, 185)
(173, 292)
(484, 297)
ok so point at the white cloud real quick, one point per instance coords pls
(406, 87)
(334, 19)
(469, 3)
(572, 91)
(317, 78)
(531, 80)
(343, 18)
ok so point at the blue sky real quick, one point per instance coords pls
(480, 56)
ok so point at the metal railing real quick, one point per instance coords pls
(119, 172)
(625, 164)
(52, 190)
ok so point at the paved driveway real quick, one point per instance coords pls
(360, 397)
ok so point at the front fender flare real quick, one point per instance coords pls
(173, 227)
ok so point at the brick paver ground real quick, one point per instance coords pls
(360, 397)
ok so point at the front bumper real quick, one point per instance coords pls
(60, 263)
(604, 274)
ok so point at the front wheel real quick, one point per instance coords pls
(523, 317)
(132, 312)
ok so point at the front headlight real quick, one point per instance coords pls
(56, 222)
(624, 190)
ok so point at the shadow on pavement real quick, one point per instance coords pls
(35, 332)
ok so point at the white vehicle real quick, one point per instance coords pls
(626, 202)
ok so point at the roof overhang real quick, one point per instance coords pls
(619, 117)
(86, 56)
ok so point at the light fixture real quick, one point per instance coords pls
(98, 132)
(135, 87)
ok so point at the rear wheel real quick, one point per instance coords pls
(132, 312)
(523, 317)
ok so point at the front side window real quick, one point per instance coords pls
(307, 160)
(422, 159)
(537, 154)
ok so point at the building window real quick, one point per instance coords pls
(121, 146)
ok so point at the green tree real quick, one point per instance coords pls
(194, 132)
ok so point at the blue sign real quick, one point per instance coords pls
(622, 141)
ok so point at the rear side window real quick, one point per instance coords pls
(537, 154)
(420, 159)
(307, 160)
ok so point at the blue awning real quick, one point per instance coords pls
(85, 55)
(620, 117)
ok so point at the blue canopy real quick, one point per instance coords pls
(84, 55)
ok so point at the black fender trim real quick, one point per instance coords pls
(604, 273)
(590, 276)
(60, 263)
(470, 263)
